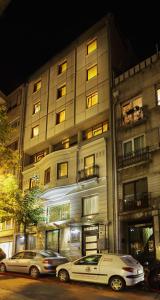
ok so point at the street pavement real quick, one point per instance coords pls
(18, 287)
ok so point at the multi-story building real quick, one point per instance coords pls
(137, 114)
(67, 143)
(15, 112)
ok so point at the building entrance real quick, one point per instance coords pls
(141, 241)
(90, 239)
(52, 240)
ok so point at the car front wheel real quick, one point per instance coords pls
(63, 275)
(117, 283)
(2, 268)
(34, 272)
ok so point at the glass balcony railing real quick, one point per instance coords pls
(88, 173)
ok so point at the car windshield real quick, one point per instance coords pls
(48, 253)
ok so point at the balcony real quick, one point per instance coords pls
(134, 157)
(135, 202)
(133, 117)
(88, 173)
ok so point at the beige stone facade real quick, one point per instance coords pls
(137, 111)
(67, 145)
(66, 136)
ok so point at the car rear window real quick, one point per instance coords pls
(129, 260)
(48, 254)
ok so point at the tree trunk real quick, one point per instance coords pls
(25, 237)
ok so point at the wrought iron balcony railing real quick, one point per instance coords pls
(135, 202)
(134, 157)
(88, 173)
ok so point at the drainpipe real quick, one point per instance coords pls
(115, 98)
(112, 138)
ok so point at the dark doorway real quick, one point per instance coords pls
(141, 241)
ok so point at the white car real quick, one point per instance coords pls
(116, 270)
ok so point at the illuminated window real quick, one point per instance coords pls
(65, 143)
(6, 225)
(62, 170)
(61, 91)
(96, 130)
(33, 182)
(92, 72)
(36, 107)
(47, 176)
(90, 205)
(92, 99)
(62, 67)
(132, 110)
(89, 163)
(37, 86)
(59, 212)
(60, 117)
(35, 131)
(158, 96)
(9, 224)
(92, 46)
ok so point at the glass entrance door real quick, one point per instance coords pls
(52, 240)
(90, 238)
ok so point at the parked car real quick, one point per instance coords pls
(33, 262)
(116, 270)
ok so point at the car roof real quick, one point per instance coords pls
(109, 254)
(37, 251)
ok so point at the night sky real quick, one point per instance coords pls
(32, 31)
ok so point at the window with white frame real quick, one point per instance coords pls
(59, 212)
(90, 205)
(133, 145)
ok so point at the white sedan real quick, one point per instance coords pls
(116, 270)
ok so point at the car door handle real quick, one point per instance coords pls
(95, 268)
